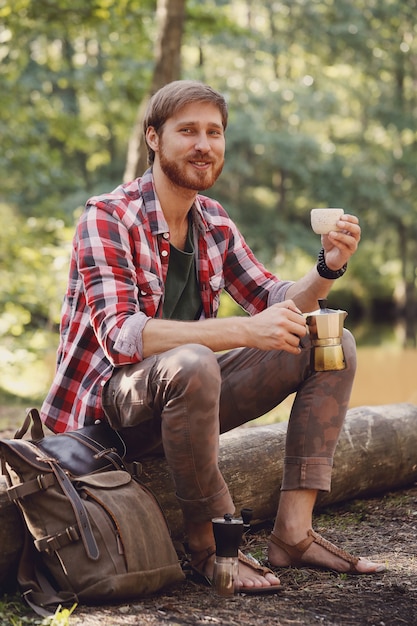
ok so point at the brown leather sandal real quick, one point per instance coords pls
(260, 569)
(296, 553)
(199, 561)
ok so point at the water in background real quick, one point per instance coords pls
(385, 375)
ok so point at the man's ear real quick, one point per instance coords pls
(152, 138)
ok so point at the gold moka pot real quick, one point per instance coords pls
(326, 330)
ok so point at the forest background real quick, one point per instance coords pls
(323, 112)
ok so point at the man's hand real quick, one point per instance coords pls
(340, 245)
(279, 327)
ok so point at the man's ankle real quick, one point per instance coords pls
(200, 535)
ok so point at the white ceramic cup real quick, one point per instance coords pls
(324, 220)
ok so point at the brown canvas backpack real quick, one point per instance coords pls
(95, 534)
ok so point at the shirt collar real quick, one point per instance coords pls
(154, 211)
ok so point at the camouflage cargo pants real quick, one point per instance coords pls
(184, 398)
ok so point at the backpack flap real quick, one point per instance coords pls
(95, 448)
(98, 536)
(33, 479)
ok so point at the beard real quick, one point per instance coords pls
(197, 181)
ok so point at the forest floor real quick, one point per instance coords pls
(383, 528)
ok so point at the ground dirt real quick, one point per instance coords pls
(382, 528)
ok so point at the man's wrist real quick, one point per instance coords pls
(326, 272)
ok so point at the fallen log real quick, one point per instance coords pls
(376, 453)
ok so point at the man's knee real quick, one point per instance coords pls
(193, 362)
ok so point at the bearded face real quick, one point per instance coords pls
(194, 171)
(191, 146)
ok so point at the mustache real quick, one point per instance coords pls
(196, 156)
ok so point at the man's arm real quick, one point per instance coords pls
(307, 290)
(279, 327)
(338, 249)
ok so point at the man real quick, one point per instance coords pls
(141, 345)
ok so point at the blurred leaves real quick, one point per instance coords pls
(323, 112)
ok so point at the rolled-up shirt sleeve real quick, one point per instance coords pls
(129, 341)
(278, 292)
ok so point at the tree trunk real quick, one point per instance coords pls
(376, 453)
(170, 15)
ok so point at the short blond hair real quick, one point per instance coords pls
(172, 97)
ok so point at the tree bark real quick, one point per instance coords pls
(170, 15)
(376, 453)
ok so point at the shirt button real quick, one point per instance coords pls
(164, 253)
(165, 235)
(143, 293)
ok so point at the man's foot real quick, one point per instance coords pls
(253, 577)
(315, 551)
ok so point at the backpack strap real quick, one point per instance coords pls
(80, 512)
(37, 590)
(37, 459)
(41, 482)
(59, 540)
(32, 420)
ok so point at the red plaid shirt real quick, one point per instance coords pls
(118, 268)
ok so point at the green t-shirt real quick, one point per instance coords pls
(182, 295)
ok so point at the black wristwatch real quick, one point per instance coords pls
(326, 272)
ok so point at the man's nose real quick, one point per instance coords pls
(202, 143)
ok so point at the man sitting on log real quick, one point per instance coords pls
(141, 345)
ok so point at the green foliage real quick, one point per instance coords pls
(73, 67)
(60, 618)
(34, 255)
(14, 613)
(323, 112)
